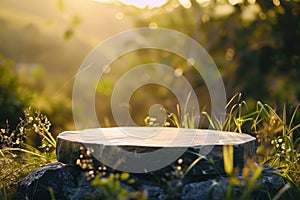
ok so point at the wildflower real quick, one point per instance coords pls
(180, 161)
(88, 152)
(178, 168)
(30, 119)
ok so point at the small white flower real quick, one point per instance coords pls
(30, 119)
(180, 161)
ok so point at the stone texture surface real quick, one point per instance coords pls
(67, 182)
(194, 142)
(216, 188)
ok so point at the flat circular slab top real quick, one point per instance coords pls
(154, 137)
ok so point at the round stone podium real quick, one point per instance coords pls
(110, 147)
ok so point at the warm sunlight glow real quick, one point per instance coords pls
(139, 3)
(203, 3)
(144, 3)
(276, 2)
(104, 1)
(251, 1)
(234, 2)
(185, 3)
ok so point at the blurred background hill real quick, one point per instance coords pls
(33, 32)
(47, 41)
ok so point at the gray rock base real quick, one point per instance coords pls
(68, 182)
(216, 189)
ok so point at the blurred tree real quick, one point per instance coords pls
(13, 99)
(25, 88)
(255, 44)
(23, 84)
(270, 64)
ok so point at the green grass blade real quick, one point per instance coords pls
(281, 191)
(25, 151)
(231, 100)
(228, 158)
(193, 164)
(293, 117)
(209, 119)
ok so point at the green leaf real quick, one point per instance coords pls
(124, 176)
(131, 181)
(281, 191)
(256, 175)
(228, 158)
(208, 118)
(61, 5)
(69, 33)
(76, 20)
(194, 163)
(233, 180)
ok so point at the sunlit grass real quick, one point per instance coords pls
(18, 157)
(278, 142)
(278, 146)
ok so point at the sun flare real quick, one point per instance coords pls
(138, 3)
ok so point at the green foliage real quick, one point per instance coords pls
(72, 24)
(278, 137)
(111, 187)
(244, 189)
(13, 97)
(254, 44)
(228, 158)
(61, 5)
(280, 147)
(277, 145)
(17, 156)
(21, 88)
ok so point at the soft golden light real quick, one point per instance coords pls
(234, 2)
(185, 3)
(276, 2)
(251, 1)
(138, 3)
(204, 3)
(153, 25)
(119, 16)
